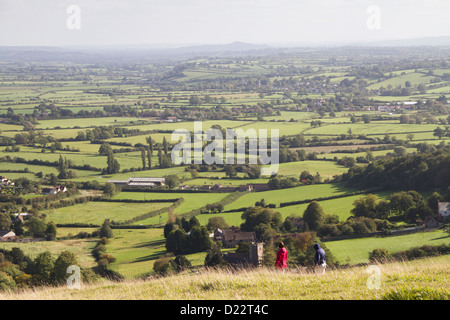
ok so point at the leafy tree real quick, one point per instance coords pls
(43, 266)
(5, 221)
(217, 222)
(113, 165)
(181, 263)
(172, 181)
(176, 241)
(230, 171)
(104, 149)
(64, 260)
(36, 227)
(199, 239)
(214, 257)
(50, 231)
(253, 216)
(439, 132)
(105, 230)
(110, 189)
(314, 215)
(365, 206)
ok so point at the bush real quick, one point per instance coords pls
(6, 282)
(378, 255)
(329, 229)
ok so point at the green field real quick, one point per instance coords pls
(356, 251)
(96, 212)
(291, 194)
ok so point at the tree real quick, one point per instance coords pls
(217, 222)
(422, 88)
(165, 146)
(149, 158)
(177, 241)
(433, 201)
(400, 151)
(43, 266)
(160, 157)
(199, 239)
(366, 118)
(65, 259)
(195, 100)
(172, 181)
(410, 136)
(254, 216)
(143, 157)
(105, 230)
(5, 221)
(150, 144)
(314, 215)
(112, 164)
(50, 231)
(230, 171)
(36, 227)
(439, 132)
(104, 149)
(63, 169)
(401, 201)
(214, 257)
(365, 206)
(421, 211)
(110, 189)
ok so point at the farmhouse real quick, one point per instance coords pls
(54, 190)
(6, 235)
(22, 216)
(444, 209)
(140, 182)
(5, 182)
(231, 237)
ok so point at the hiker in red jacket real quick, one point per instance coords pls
(282, 254)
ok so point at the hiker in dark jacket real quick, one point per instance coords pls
(319, 259)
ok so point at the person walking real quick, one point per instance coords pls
(319, 259)
(281, 261)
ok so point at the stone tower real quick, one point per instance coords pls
(256, 254)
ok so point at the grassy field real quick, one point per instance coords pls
(426, 276)
(97, 212)
(357, 250)
(191, 202)
(81, 248)
(340, 206)
(287, 195)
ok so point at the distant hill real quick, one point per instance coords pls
(231, 47)
(113, 53)
(425, 41)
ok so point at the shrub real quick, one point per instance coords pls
(378, 255)
(6, 282)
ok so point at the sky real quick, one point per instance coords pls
(187, 22)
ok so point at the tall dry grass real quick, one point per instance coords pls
(431, 275)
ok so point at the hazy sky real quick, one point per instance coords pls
(112, 22)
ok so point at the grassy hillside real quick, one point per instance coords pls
(427, 277)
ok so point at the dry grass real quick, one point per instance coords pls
(262, 284)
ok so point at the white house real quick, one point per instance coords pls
(444, 209)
